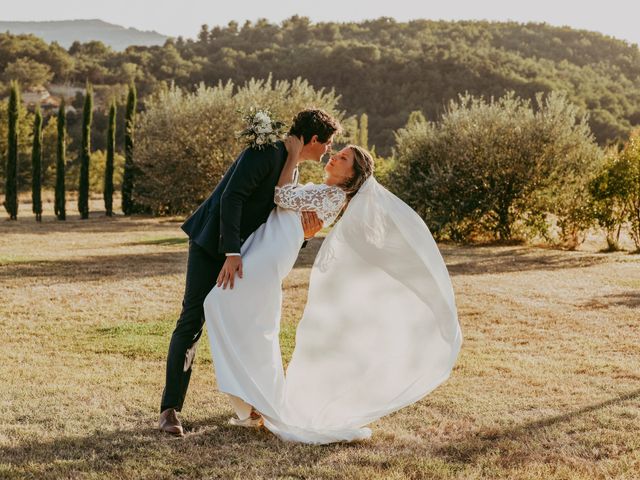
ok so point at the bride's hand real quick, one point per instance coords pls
(294, 146)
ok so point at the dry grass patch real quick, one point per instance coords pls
(547, 384)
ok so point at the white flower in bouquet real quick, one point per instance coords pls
(262, 117)
(261, 131)
(264, 129)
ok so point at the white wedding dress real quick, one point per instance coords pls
(379, 330)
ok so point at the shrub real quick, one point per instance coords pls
(494, 168)
(615, 193)
(631, 157)
(186, 141)
(608, 191)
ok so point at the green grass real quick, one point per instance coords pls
(16, 260)
(163, 241)
(287, 341)
(148, 340)
(633, 283)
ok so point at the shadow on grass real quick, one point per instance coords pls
(481, 260)
(483, 442)
(463, 261)
(95, 268)
(629, 299)
(308, 254)
(210, 449)
(128, 265)
(97, 223)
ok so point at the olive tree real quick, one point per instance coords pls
(186, 141)
(493, 168)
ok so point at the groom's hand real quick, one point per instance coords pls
(311, 224)
(227, 275)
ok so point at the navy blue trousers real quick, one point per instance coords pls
(202, 273)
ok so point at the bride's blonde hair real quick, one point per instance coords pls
(363, 167)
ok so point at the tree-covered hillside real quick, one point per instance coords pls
(382, 67)
(65, 32)
(387, 69)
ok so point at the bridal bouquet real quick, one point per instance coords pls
(261, 130)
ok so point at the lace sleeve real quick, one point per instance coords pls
(323, 199)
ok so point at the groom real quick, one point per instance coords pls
(240, 203)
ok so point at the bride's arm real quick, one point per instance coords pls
(287, 194)
(294, 147)
(311, 224)
(326, 201)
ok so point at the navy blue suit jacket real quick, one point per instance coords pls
(240, 203)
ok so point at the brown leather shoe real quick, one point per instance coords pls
(169, 423)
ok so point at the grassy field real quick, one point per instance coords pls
(547, 384)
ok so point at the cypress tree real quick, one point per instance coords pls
(364, 131)
(11, 189)
(36, 166)
(60, 198)
(85, 155)
(108, 171)
(127, 180)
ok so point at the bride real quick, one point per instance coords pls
(379, 330)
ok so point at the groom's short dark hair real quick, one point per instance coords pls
(314, 121)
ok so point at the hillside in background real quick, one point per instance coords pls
(67, 31)
(381, 67)
(387, 68)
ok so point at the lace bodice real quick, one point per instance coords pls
(325, 200)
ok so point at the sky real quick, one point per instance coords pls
(618, 18)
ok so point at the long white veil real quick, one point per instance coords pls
(380, 328)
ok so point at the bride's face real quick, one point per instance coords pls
(340, 166)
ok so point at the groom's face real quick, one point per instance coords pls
(317, 149)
